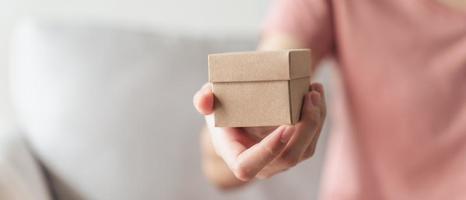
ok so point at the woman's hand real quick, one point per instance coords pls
(265, 151)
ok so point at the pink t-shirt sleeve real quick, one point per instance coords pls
(310, 21)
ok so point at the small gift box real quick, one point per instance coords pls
(264, 88)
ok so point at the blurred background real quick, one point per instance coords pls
(206, 17)
(96, 99)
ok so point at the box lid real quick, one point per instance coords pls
(259, 65)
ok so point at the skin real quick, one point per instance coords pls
(455, 4)
(233, 157)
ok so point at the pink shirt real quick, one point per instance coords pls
(400, 129)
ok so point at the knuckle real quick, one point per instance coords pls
(289, 161)
(309, 154)
(241, 171)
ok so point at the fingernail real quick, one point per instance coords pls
(317, 87)
(286, 134)
(315, 98)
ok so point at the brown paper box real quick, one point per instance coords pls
(264, 88)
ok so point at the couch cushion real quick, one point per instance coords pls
(109, 112)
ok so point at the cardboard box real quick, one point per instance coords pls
(264, 88)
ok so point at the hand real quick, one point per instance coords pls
(265, 151)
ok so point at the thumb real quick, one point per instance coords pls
(203, 100)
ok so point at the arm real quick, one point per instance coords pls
(216, 169)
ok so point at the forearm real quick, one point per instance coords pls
(215, 169)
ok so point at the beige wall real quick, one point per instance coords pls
(198, 16)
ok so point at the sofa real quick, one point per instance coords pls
(104, 112)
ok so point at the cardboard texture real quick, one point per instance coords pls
(264, 88)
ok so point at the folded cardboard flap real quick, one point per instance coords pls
(259, 66)
(264, 88)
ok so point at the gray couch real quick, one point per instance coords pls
(106, 112)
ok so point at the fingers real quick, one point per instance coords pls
(317, 87)
(243, 155)
(252, 160)
(246, 161)
(305, 129)
(320, 89)
(260, 132)
(304, 140)
(278, 151)
(203, 100)
(312, 147)
(310, 150)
